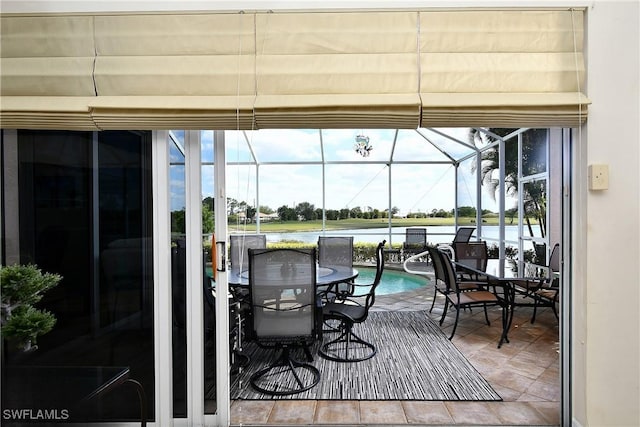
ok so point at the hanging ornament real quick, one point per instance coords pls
(362, 145)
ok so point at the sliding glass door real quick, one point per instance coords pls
(78, 204)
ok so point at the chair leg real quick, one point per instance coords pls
(535, 308)
(444, 310)
(302, 383)
(345, 341)
(455, 323)
(553, 307)
(486, 315)
(329, 328)
(433, 302)
(552, 303)
(507, 317)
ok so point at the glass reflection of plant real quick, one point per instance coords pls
(533, 161)
(22, 287)
(535, 205)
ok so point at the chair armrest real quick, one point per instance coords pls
(360, 287)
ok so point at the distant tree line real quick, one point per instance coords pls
(305, 211)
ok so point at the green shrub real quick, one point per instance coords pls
(21, 287)
(25, 284)
(26, 323)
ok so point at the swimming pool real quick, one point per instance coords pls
(393, 281)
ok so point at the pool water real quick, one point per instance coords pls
(393, 281)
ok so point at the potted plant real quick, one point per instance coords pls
(22, 286)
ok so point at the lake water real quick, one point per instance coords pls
(435, 234)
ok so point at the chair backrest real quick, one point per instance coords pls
(554, 266)
(379, 263)
(463, 234)
(239, 245)
(438, 268)
(449, 272)
(554, 259)
(415, 237)
(545, 270)
(335, 251)
(472, 254)
(370, 298)
(282, 286)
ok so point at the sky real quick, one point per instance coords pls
(351, 179)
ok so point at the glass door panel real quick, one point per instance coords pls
(178, 271)
(84, 211)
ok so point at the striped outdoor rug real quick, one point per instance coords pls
(415, 361)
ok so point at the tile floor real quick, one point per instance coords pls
(524, 372)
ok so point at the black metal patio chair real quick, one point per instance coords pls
(459, 299)
(546, 293)
(239, 245)
(440, 285)
(335, 252)
(463, 234)
(415, 241)
(285, 315)
(470, 254)
(354, 309)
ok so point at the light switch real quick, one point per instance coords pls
(598, 177)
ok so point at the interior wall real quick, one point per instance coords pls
(606, 376)
(554, 231)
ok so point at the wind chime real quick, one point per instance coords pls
(362, 145)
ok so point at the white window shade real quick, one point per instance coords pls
(48, 56)
(174, 71)
(502, 68)
(172, 112)
(46, 112)
(46, 72)
(400, 69)
(328, 70)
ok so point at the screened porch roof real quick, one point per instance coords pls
(351, 146)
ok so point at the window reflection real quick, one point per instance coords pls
(88, 219)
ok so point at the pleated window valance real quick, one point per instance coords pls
(401, 69)
(513, 69)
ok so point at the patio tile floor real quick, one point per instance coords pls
(524, 372)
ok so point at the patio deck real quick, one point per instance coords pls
(524, 372)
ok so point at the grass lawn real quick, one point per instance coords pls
(345, 224)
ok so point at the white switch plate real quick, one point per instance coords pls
(598, 177)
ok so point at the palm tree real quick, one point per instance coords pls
(534, 197)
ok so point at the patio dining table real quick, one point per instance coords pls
(325, 275)
(239, 288)
(500, 272)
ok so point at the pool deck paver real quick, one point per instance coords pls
(525, 372)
